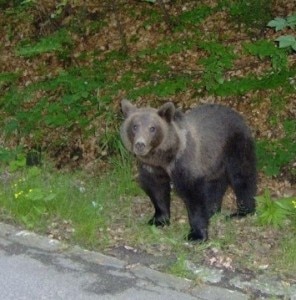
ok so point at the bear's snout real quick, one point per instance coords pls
(140, 146)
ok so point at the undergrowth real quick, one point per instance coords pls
(72, 98)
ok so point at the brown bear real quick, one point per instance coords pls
(201, 152)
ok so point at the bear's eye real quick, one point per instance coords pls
(152, 129)
(135, 127)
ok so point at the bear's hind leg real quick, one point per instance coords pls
(241, 169)
(156, 183)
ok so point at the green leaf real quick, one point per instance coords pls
(278, 23)
(286, 41)
(291, 20)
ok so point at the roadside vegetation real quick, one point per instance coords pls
(64, 69)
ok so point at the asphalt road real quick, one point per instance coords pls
(35, 267)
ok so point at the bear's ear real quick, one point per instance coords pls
(127, 108)
(167, 111)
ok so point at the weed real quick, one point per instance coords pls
(275, 212)
(180, 268)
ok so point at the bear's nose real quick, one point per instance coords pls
(140, 146)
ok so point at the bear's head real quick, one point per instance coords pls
(145, 129)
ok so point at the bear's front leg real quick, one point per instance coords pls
(193, 193)
(198, 220)
(156, 183)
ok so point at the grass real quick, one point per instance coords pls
(52, 43)
(287, 258)
(36, 198)
(110, 210)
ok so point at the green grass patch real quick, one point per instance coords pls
(220, 59)
(240, 86)
(163, 88)
(287, 258)
(36, 198)
(266, 49)
(192, 18)
(272, 155)
(252, 13)
(59, 42)
(8, 78)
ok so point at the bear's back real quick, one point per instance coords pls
(216, 121)
(210, 127)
